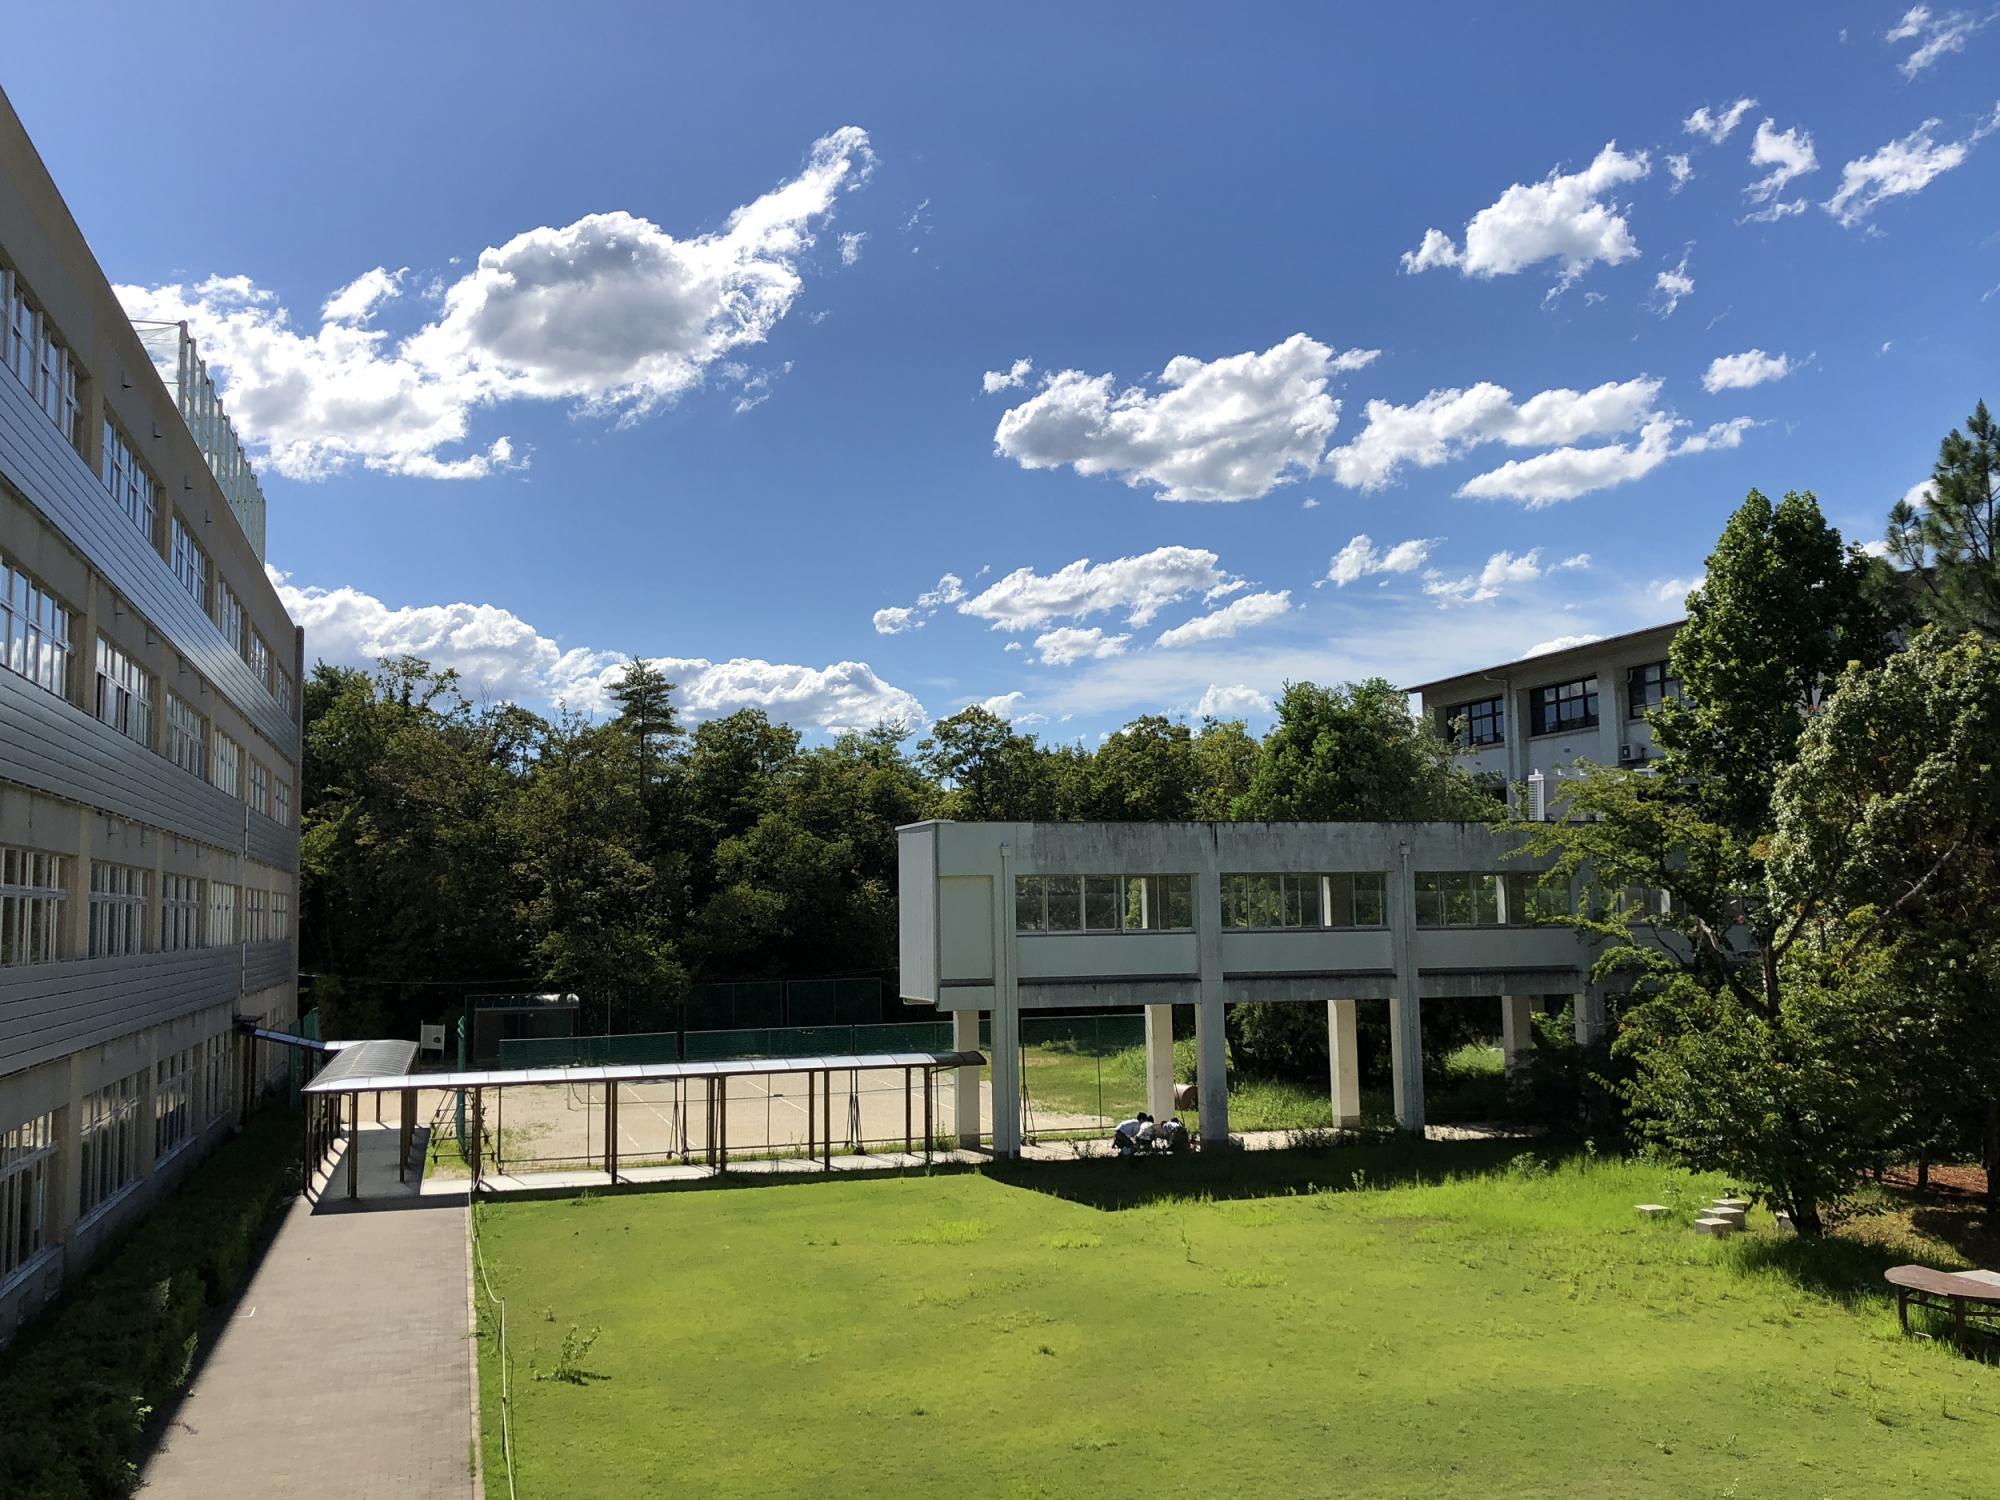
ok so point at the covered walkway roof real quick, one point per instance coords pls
(360, 1069)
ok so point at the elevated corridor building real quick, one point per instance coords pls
(1001, 919)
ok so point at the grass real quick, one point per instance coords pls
(1437, 1320)
(1077, 1079)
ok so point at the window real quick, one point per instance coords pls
(215, 1078)
(173, 1102)
(227, 612)
(34, 632)
(1481, 723)
(1650, 686)
(260, 787)
(31, 906)
(124, 693)
(1103, 903)
(1531, 900)
(37, 358)
(228, 764)
(26, 1154)
(281, 688)
(189, 562)
(221, 914)
(187, 735)
(256, 929)
(118, 896)
(1565, 705)
(109, 1159)
(281, 916)
(258, 654)
(1457, 898)
(1645, 903)
(281, 804)
(180, 913)
(1283, 901)
(132, 488)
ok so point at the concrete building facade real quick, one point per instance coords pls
(1527, 723)
(999, 919)
(149, 753)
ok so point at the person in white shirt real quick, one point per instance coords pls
(1126, 1136)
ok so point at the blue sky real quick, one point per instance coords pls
(666, 331)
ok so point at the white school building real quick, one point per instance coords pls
(998, 919)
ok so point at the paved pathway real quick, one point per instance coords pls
(344, 1371)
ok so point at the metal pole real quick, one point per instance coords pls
(306, 1146)
(930, 1075)
(611, 1130)
(908, 1144)
(500, 1129)
(354, 1150)
(826, 1109)
(478, 1131)
(406, 1134)
(812, 1137)
(722, 1124)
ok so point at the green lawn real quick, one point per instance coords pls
(1079, 1079)
(1275, 1324)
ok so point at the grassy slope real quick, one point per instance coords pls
(1488, 1336)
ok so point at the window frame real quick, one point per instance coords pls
(1036, 896)
(125, 692)
(1549, 699)
(119, 898)
(1491, 710)
(29, 612)
(33, 897)
(109, 1116)
(27, 1158)
(1648, 685)
(1250, 895)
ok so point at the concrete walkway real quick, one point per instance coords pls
(345, 1368)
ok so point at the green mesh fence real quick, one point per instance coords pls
(747, 1005)
(722, 1045)
(590, 1051)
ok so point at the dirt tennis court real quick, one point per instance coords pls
(562, 1125)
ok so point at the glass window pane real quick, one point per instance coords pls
(1486, 900)
(1289, 893)
(1100, 903)
(1028, 903)
(1065, 903)
(1309, 904)
(1179, 902)
(1340, 900)
(1142, 902)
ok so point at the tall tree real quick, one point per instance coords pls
(1951, 540)
(1144, 772)
(1893, 810)
(1225, 761)
(991, 772)
(1356, 752)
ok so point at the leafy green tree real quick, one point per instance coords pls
(1893, 811)
(1225, 761)
(1356, 752)
(1785, 607)
(991, 773)
(1144, 772)
(1951, 543)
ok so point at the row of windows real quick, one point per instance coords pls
(191, 1090)
(1559, 706)
(194, 913)
(35, 643)
(1355, 900)
(32, 353)
(1463, 898)
(1104, 903)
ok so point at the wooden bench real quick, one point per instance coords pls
(1976, 1293)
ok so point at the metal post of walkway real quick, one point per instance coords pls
(354, 1149)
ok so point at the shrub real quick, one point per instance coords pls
(81, 1386)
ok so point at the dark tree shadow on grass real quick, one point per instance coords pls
(1112, 1183)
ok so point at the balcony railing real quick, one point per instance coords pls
(181, 366)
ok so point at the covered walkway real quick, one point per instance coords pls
(345, 1368)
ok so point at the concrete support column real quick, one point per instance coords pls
(1517, 1030)
(1344, 1059)
(1406, 1021)
(1589, 1016)
(965, 1081)
(1159, 1061)
(1211, 1046)
(1006, 1016)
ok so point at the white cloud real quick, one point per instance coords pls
(897, 618)
(1141, 586)
(1235, 702)
(1575, 564)
(1739, 372)
(1361, 557)
(1061, 647)
(1238, 615)
(610, 312)
(1879, 547)
(1563, 218)
(1448, 423)
(500, 655)
(1560, 643)
(1309, 503)
(1674, 591)
(1772, 213)
(1565, 473)
(1904, 166)
(1934, 34)
(1672, 285)
(1233, 428)
(1502, 570)
(1007, 379)
(1918, 494)
(1713, 127)
(1680, 171)
(1005, 705)
(850, 246)
(1717, 435)
(1788, 153)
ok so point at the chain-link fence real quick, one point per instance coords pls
(1081, 1074)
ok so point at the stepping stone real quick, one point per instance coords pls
(1742, 1204)
(1784, 1222)
(1721, 1229)
(1736, 1216)
(1653, 1210)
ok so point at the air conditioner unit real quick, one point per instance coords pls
(1631, 753)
